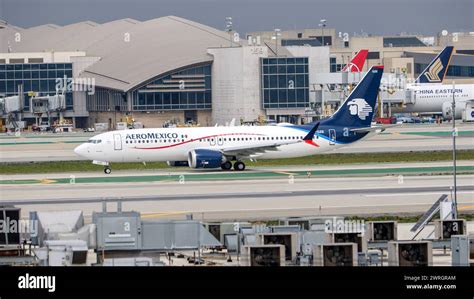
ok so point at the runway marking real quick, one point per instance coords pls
(157, 215)
(310, 207)
(286, 173)
(249, 175)
(47, 181)
(419, 193)
(466, 208)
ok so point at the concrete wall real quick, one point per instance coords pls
(48, 57)
(318, 62)
(460, 40)
(397, 64)
(149, 120)
(236, 83)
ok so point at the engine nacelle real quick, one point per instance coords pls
(447, 110)
(177, 163)
(204, 158)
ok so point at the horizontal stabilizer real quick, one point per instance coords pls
(374, 128)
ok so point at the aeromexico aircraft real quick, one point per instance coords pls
(431, 96)
(227, 147)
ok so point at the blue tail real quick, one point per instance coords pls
(358, 109)
(436, 70)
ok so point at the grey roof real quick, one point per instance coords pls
(426, 58)
(155, 46)
(282, 51)
(402, 41)
(301, 42)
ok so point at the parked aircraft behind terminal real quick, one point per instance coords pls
(357, 62)
(429, 95)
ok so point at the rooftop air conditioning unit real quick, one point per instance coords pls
(382, 231)
(444, 229)
(335, 254)
(288, 239)
(263, 255)
(357, 238)
(410, 253)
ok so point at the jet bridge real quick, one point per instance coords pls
(11, 108)
(40, 105)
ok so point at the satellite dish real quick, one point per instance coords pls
(444, 32)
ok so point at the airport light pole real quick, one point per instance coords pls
(453, 117)
(276, 34)
(322, 24)
(228, 28)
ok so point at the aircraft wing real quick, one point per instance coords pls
(245, 151)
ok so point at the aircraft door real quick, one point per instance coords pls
(117, 142)
(220, 140)
(332, 137)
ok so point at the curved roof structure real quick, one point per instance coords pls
(131, 52)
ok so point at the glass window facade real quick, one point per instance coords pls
(302, 42)
(334, 67)
(453, 70)
(37, 77)
(188, 89)
(285, 82)
(105, 99)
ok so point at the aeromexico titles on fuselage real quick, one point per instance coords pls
(153, 136)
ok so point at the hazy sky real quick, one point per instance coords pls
(372, 16)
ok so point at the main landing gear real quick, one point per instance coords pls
(238, 166)
(107, 170)
(226, 165)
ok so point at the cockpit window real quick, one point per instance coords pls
(95, 141)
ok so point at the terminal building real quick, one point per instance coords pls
(171, 70)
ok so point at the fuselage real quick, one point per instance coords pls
(174, 144)
(213, 147)
(431, 97)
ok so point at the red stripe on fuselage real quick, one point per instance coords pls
(197, 139)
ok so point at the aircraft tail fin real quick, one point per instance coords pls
(436, 70)
(359, 107)
(357, 62)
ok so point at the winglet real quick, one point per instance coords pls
(311, 133)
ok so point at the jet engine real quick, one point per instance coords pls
(448, 110)
(204, 158)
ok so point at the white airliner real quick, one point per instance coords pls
(429, 95)
(227, 147)
(438, 98)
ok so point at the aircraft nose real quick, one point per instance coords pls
(81, 150)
